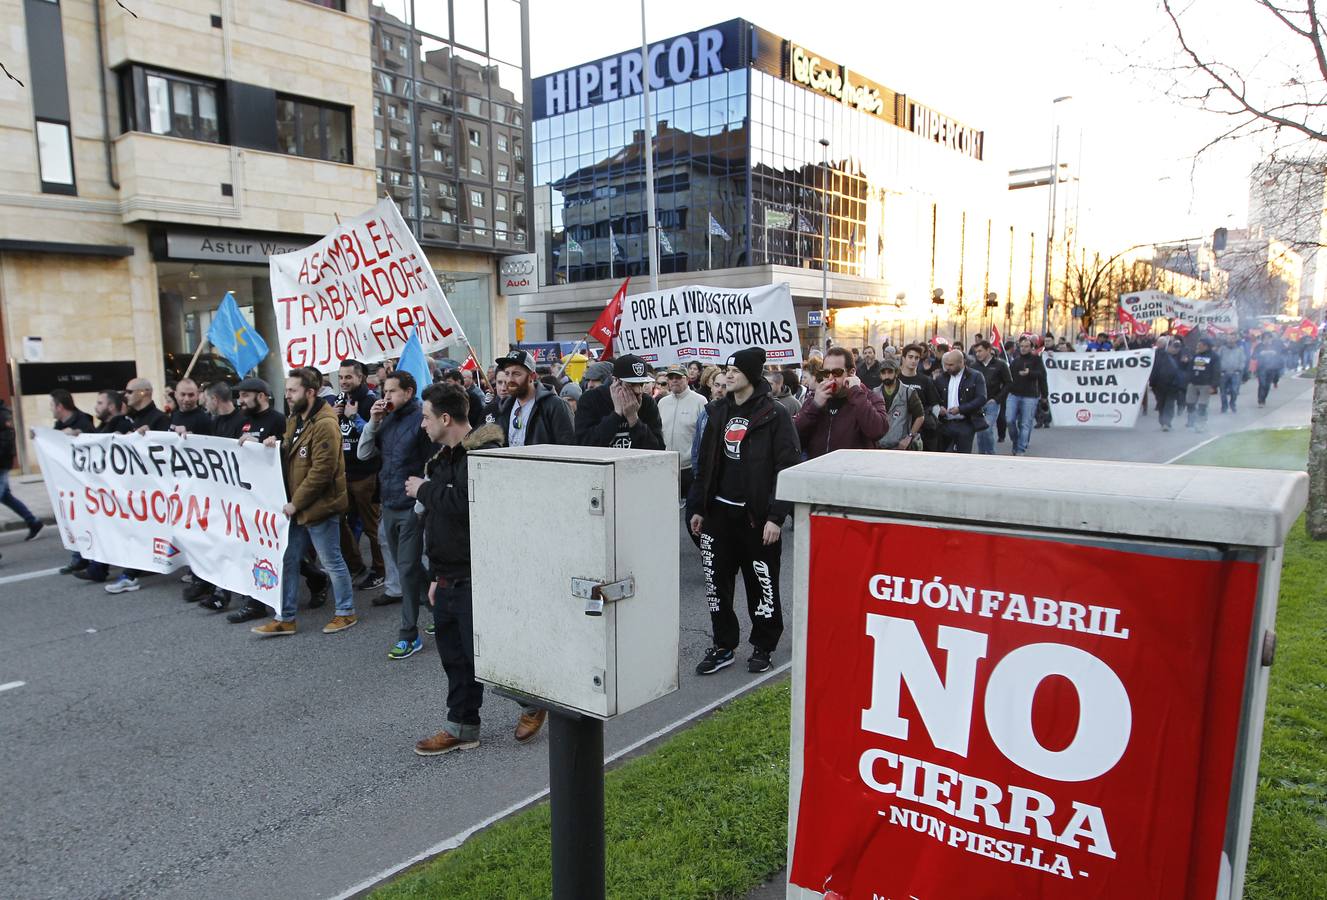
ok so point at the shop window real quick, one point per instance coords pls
(169, 104)
(309, 129)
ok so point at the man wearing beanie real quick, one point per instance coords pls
(842, 414)
(621, 413)
(748, 440)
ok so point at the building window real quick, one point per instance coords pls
(315, 130)
(426, 211)
(445, 216)
(169, 104)
(338, 5)
(476, 166)
(475, 140)
(394, 142)
(377, 106)
(477, 199)
(499, 201)
(503, 172)
(502, 143)
(55, 157)
(437, 154)
(377, 138)
(500, 230)
(394, 177)
(481, 225)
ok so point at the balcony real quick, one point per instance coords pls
(166, 179)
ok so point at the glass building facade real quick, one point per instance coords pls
(901, 202)
(450, 130)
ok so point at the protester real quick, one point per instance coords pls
(531, 413)
(960, 412)
(842, 414)
(719, 388)
(1204, 370)
(696, 378)
(8, 452)
(472, 394)
(748, 440)
(1270, 364)
(68, 417)
(996, 373)
(595, 375)
(679, 410)
(1234, 363)
(792, 380)
(778, 387)
(444, 493)
(904, 414)
(495, 397)
(571, 393)
(352, 403)
(227, 419)
(143, 412)
(910, 374)
(1027, 388)
(393, 433)
(1168, 380)
(188, 416)
(315, 470)
(868, 368)
(621, 413)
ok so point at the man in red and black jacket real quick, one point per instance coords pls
(842, 414)
(749, 439)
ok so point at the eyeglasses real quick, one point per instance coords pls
(831, 373)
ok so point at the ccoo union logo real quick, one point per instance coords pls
(164, 549)
(264, 576)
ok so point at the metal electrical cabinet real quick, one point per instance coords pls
(575, 574)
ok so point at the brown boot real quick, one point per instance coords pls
(443, 742)
(527, 726)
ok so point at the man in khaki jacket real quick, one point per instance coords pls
(316, 483)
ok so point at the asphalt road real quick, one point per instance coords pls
(149, 748)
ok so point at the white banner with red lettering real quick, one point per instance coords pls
(1097, 390)
(358, 293)
(157, 502)
(1140, 309)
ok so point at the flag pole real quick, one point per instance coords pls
(188, 371)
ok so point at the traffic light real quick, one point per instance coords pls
(520, 330)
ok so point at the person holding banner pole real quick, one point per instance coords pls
(316, 479)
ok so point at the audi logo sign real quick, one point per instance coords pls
(517, 275)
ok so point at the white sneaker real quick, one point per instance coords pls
(122, 584)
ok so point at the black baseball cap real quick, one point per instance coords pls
(523, 358)
(632, 370)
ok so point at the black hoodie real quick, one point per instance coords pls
(743, 450)
(445, 497)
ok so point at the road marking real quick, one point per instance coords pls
(460, 838)
(9, 686)
(1195, 448)
(28, 576)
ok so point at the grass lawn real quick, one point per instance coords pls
(1288, 855)
(705, 814)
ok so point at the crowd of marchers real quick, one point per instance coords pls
(376, 465)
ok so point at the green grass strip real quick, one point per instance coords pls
(705, 815)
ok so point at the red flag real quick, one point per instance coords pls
(997, 340)
(605, 327)
(469, 365)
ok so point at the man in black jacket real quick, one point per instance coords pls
(996, 373)
(1027, 387)
(68, 417)
(621, 413)
(352, 404)
(444, 494)
(749, 439)
(963, 396)
(143, 412)
(188, 416)
(531, 413)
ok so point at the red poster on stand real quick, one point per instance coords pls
(990, 716)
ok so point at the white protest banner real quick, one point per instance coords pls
(1139, 309)
(159, 501)
(1097, 390)
(358, 293)
(709, 324)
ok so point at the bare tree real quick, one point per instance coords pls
(1288, 109)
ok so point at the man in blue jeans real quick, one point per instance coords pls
(394, 433)
(8, 446)
(996, 373)
(1027, 386)
(316, 480)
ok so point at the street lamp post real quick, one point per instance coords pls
(1050, 213)
(824, 245)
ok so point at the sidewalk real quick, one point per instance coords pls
(31, 489)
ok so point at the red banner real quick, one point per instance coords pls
(1042, 720)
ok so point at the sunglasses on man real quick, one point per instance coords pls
(831, 373)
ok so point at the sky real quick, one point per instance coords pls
(998, 67)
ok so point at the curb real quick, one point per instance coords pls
(18, 525)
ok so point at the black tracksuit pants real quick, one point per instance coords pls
(728, 543)
(454, 633)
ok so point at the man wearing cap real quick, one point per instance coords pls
(531, 414)
(621, 413)
(571, 393)
(748, 440)
(842, 414)
(595, 375)
(904, 413)
(679, 409)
